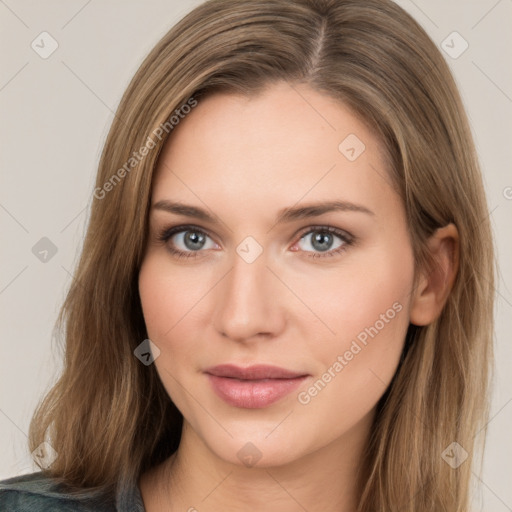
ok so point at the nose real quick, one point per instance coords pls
(250, 301)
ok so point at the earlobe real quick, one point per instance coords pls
(434, 287)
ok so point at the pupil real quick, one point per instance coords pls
(322, 238)
(194, 238)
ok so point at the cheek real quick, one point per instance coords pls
(154, 299)
(167, 297)
(173, 302)
(372, 304)
(366, 297)
(367, 307)
(167, 307)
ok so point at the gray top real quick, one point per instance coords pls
(37, 493)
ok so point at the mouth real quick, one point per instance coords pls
(253, 387)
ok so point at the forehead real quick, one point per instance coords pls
(286, 144)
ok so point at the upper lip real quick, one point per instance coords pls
(255, 372)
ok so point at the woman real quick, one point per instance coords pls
(285, 295)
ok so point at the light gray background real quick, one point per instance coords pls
(55, 114)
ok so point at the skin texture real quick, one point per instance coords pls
(243, 160)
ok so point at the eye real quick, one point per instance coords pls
(187, 241)
(323, 239)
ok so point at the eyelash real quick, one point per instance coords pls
(164, 236)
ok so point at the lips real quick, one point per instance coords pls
(256, 372)
(253, 387)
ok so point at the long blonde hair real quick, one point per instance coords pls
(109, 416)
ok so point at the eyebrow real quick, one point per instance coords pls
(289, 214)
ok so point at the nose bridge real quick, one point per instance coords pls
(248, 302)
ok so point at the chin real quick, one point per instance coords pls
(256, 448)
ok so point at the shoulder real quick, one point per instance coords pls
(38, 492)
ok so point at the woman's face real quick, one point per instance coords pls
(258, 279)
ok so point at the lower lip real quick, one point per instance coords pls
(253, 394)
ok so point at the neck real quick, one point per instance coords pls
(196, 478)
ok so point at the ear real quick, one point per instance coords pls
(433, 288)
